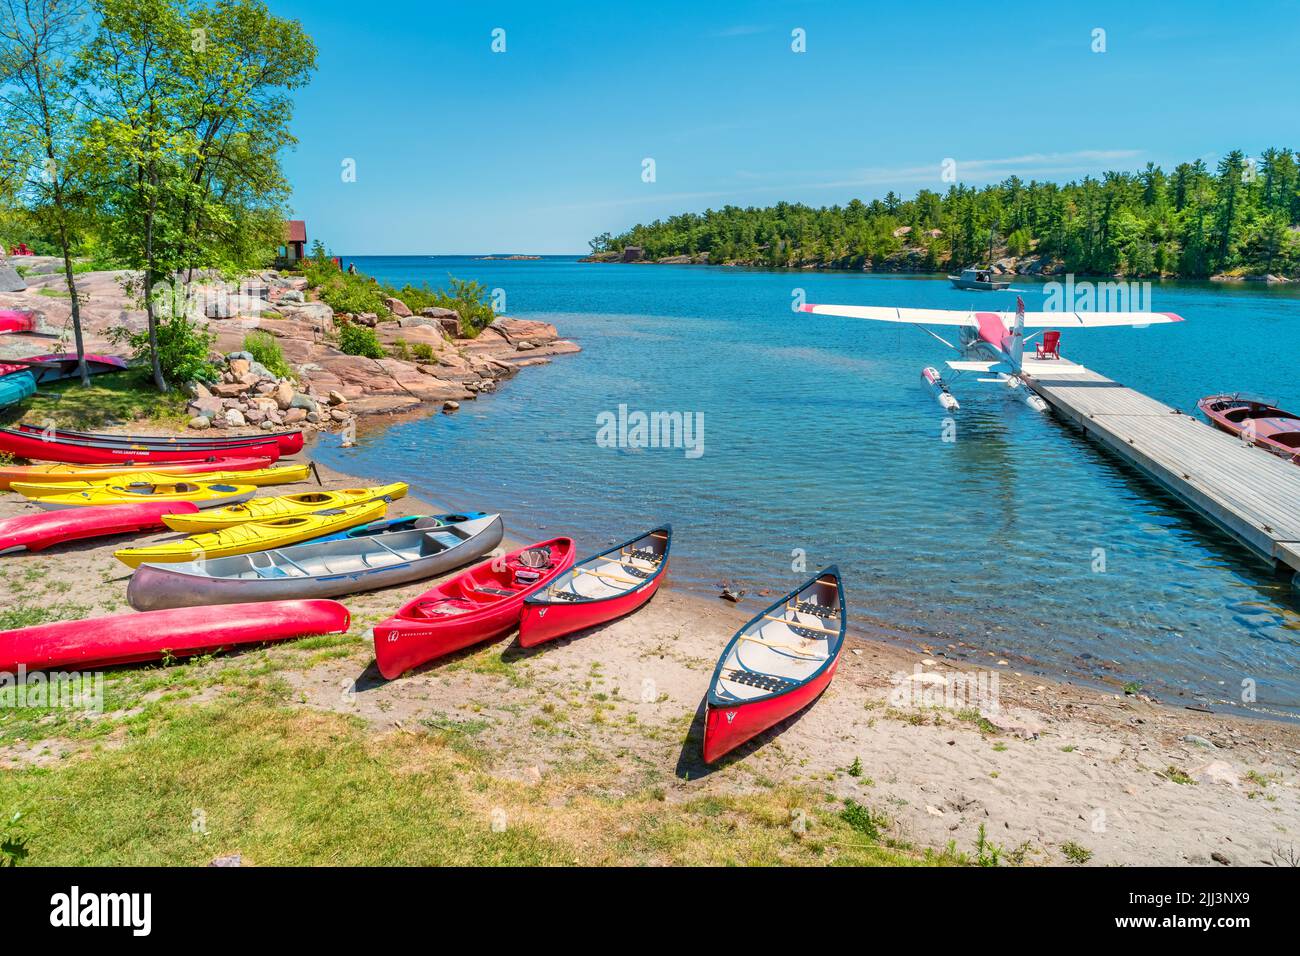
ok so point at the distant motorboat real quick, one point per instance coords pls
(979, 279)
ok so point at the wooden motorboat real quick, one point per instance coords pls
(1256, 422)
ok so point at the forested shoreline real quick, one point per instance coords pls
(1240, 219)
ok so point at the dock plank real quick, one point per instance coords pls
(1248, 492)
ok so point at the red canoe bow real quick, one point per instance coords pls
(776, 665)
(37, 532)
(598, 589)
(476, 605)
(178, 632)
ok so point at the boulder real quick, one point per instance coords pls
(291, 295)
(239, 367)
(205, 407)
(197, 390)
(235, 418)
(304, 402)
(337, 398)
(369, 319)
(10, 280)
(284, 394)
(295, 415)
(228, 389)
(200, 422)
(520, 330)
(397, 307)
(450, 406)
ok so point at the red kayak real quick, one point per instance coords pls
(290, 442)
(1256, 422)
(477, 605)
(599, 589)
(776, 665)
(37, 532)
(38, 448)
(178, 632)
(14, 320)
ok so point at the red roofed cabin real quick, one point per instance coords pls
(295, 241)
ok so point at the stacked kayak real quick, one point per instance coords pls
(202, 493)
(61, 365)
(16, 387)
(326, 568)
(48, 446)
(408, 523)
(16, 320)
(286, 506)
(289, 442)
(596, 590)
(39, 531)
(63, 484)
(775, 665)
(42, 474)
(477, 605)
(131, 638)
(251, 536)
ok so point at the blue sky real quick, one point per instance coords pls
(537, 149)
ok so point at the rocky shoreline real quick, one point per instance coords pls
(911, 260)
(430, 364)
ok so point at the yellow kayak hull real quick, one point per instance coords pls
(253, 536)
(280, 475)
(284, 506)
(60, 471)
(203, 494)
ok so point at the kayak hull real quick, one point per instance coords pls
(215, 495)
(546, 616)
(16, 387)
(284, 506)
(727, 727)
(154, 587)
(32, 446)
(459, 613)
(40, 531)
(62, 485)
(132, 638)
(62, 365)
(65, 472)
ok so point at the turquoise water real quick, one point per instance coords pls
(819, 438)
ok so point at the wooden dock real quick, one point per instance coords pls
(1248, 492)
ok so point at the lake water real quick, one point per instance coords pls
(819, 439)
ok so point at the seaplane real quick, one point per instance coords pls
(992, 344)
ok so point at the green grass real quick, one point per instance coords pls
(120, 396)
(1075, 853)
(266, 350)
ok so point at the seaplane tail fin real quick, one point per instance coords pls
(1016, 347)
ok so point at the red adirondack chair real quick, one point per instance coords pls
(1050, 346)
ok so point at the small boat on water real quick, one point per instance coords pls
(598, 589)
(132, 638)
(476, 605)
(16, 387)
(252, 536)
(317, 568)
(287, 506)
(42, 446)
(35, 532)
(978, 279)
(64, 472)
(1256, 422)
(289, 442)
(202, 493)
(60, 484)
(775, 665)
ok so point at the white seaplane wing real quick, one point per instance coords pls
(958, 317)
(886, 314)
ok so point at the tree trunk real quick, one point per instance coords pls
(82, 369)
(159, 382)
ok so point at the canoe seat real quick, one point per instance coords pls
(567, 596)
(271, 571)
(825, 612)
(645, 554)
(762, 681)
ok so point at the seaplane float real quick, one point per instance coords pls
(992, 344)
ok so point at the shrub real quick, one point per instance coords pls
(183, 348)
(265, 349)
(401, 350)
(422, 351)
(358, 340)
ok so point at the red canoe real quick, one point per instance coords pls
(178, 632)
(14, 320)
(776, 665)
(1256, 422)
(599, 589)
(33, 446)
(39, 531)
(476, 605)
(290, 442)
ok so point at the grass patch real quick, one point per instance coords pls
(1075, 853)
(1177, 775)
(266, 350)
(117, 397)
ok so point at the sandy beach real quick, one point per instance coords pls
(1055, 774)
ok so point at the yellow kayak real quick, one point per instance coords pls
(284, 506)
(203, 494)
(51, 471)
(59, 485)
(254, 536)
